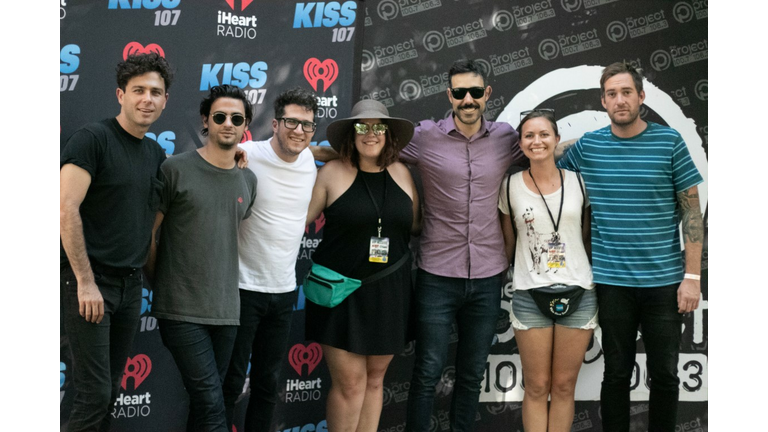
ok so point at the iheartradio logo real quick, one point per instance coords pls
(316, 70)
(244, 4)
(300, 355)
(134, 48)
(137, 368)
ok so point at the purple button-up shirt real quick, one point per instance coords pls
(461, 178)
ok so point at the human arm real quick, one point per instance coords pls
(509, 235)
(74, 182)
(586, 231)
(149, 267)
(689, 293)
(319, 195)
(323, 153)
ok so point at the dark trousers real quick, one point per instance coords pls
(100, 351)
(262, 339)
(474, 305)
(654, 311)
(201, 353)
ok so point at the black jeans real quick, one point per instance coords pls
(100, 351)
(201, 353)
(265, 326)
(654, 310)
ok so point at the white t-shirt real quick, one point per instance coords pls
(270, 239)
(539, 262)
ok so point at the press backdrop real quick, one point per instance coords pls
(546, 53)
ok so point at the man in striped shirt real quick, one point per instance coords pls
(642, 184)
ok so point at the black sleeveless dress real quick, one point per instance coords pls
(374, 320)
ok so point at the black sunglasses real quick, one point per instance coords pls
(460, 92)
(220, 118)
(550, 111)
(292, 123)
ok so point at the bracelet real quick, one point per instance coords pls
(692, 276)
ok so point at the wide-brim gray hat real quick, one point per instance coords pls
(338, 131)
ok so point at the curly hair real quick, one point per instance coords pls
(296, 96)
(140, 64)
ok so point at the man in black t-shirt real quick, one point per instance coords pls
(110, 190)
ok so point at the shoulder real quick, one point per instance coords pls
(427, 127)
(499, 128)
(399, 171)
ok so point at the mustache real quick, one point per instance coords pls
(469, 105)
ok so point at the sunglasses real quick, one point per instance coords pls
(220, 118)
(550, 111)
(292, 123)
(378, 128)
(460, 92)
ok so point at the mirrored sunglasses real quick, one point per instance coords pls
(378, 128)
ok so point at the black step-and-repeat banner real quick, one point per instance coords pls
(545, 53)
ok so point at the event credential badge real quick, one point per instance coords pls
(556, 255)
(379, 250)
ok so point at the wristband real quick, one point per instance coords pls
(692, 276)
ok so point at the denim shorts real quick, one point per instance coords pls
(526, 315)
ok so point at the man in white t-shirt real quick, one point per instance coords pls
(268, 245)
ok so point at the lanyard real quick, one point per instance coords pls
(562, 198)
(370, 194)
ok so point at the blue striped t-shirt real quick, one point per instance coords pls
(632, 185)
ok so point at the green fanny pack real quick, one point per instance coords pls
(328, 288)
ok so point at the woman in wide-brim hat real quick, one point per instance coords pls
(371, 207)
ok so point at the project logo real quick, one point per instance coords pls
(134, 48)
(137, 368)
(529, 14)
(503, 20)
(389, 9)
(321, 14)
(316, 70)
(299, 355)
(684, 11)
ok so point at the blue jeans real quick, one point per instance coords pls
(474, 305)
(201, 353)
(100, 351)
(654, 310)
(265, 327)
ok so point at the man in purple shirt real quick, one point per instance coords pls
(461, 160)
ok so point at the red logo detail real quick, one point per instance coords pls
(300, 355)
(315, 70)
(246, 136)
(134, 48)
(319, 224)
(244, 4)
(139, 368)
(240, 200)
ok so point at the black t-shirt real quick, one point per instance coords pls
(119, 208)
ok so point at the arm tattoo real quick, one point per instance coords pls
(690, 216)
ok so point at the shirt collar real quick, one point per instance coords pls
(450, 126)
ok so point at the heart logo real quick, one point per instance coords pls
(137, 368)
(134, 48)
(300, 355)
(316, 70)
